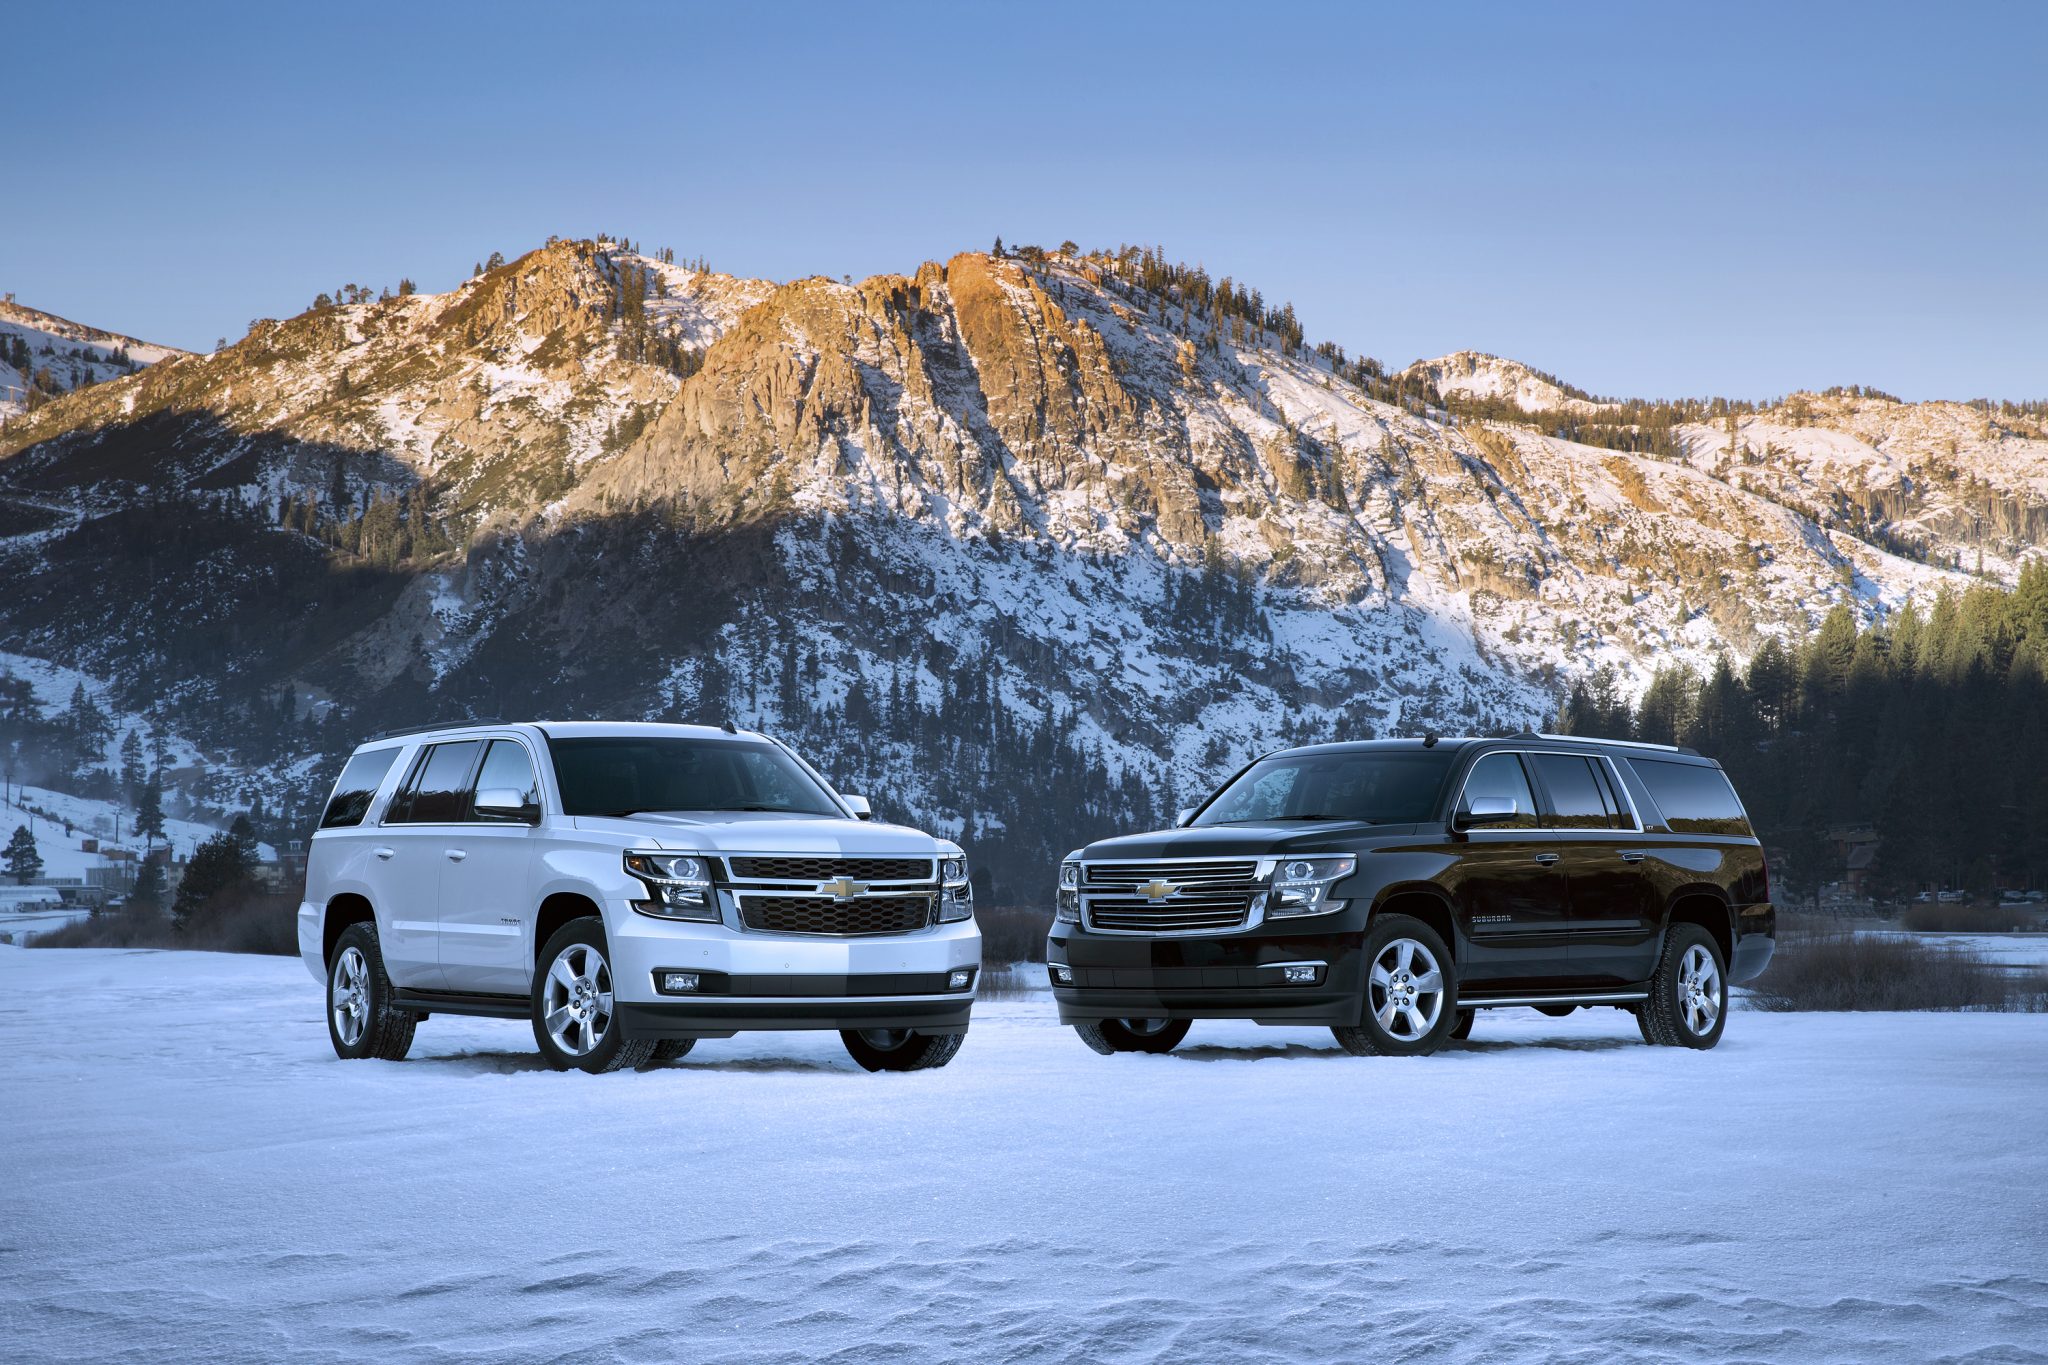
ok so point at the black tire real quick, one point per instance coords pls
(1688, 1004)
(1463, 1028)
(359, 1000)
(1422, 1019)
(1643, 1024)
(668, 1049)
(592, 1039)
(899, 1049)
(1556, 1011)
(1157, 1036)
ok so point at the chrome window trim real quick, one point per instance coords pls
(1614, 780)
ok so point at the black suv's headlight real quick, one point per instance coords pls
(1301, 886)
(680, 884)
(956, 897)
(1067, 906)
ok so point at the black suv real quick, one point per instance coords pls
(1389, 889)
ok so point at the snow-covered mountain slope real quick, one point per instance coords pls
(53, 355)
(1066, 512)
(1475, 374)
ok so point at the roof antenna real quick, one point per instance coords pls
(729, 728)
(1429, 739)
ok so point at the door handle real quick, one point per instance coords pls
(456, 855)
(385, 853)
(1546, 858)
(1632, 857)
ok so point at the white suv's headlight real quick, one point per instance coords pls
(679, 882)
(1301, 886)
(1067, 905)
(956, 896)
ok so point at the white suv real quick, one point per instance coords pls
(629, 889)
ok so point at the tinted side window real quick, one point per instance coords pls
(439, 790)
(1577, 799)
(1501, 775)
(1694, 799)
(357, 784)
(506, 765)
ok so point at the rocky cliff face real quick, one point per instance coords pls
(996, 517)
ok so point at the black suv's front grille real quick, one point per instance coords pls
(1189, 874)
(823, 915)
(825, 869)
(1186, 912)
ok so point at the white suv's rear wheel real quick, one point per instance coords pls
(361, 1020)
(575, 1018)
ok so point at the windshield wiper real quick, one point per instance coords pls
(1355, 819)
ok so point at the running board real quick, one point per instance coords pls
(461, 1002)
(1485, 1002)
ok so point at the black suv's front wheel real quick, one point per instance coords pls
(1109, 1036)
(1411, 992)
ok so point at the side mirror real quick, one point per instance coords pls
(1182, 816)
(1487, 810)
(859, 806)
(504, 803)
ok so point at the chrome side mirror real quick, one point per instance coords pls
(859, 806)
(1182, 816)
(1488, 810)
(506, 803)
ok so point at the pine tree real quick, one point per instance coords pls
(149, 809)
(24, 862)
(149, 888)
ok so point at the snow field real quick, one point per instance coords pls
(199, 1177)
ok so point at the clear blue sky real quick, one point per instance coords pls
(1644, 199)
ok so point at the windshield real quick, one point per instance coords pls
(1384, 786)
(625, 774)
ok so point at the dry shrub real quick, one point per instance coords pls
(1840, 970)
(257, 923)
(1936, 918)
(1013, 933)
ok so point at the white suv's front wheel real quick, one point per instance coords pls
(574, 1015)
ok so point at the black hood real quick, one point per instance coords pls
(1244, 841)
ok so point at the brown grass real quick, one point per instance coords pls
(1937, 918)
(258, 924)
(1835, 969)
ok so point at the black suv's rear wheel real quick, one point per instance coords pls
(573, 1011)
(1133, 1035)
(1411, 992)
(361, 1020)
(1688, 1004)
(900, 1049)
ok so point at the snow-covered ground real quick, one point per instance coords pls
(207, 1181)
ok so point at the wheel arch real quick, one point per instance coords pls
(350, 907)
(1710, 909)
(1425, 902)
(557, 909)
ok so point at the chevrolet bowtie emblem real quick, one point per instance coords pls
(1158, 889)
(844, 888)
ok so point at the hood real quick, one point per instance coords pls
(1246, 841)
(755, 831)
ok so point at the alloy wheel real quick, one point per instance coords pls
(885, 1039)
(577, 999)
(1406, 989)
(1699, 990)
(1145, 1028)
(350, 996)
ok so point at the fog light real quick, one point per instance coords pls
(1061, 973)
(959, 980)
(1299, 976)
(678, 983)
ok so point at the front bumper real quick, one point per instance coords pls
(768, 981)
(1229, 976)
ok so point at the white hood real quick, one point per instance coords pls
(767, 832)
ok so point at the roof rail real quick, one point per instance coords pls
(1624, 743)
(427, 729)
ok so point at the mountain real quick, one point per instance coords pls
(43, 355)
(1027, 547)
